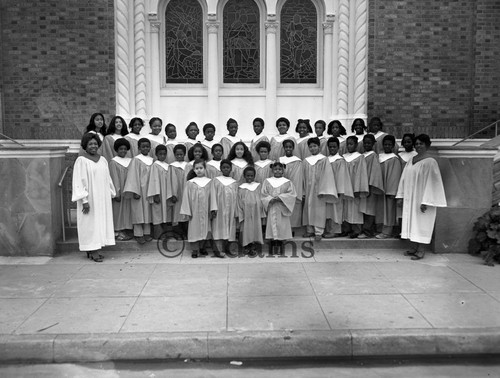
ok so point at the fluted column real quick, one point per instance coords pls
(140, 57)
(154, 29)
(328, 65)
(122, 58)
(343, 58)
(272, 71)
(360, 58)
(213, 68)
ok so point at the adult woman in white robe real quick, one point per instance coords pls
(93, 191)
(420, 192)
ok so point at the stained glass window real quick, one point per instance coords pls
(298, 42)
(184, 42)
(241, 36)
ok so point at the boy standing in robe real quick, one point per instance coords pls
(319, 189)
(136, 187)
(179, 170)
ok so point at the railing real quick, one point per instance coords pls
(480, 131)
(12, 140)
(60, 184)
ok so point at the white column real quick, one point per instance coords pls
(213, 69)
(272, 70)
(327, 66)
(343, 59)
(122, 58)
(154, 29)
(361, 59)
(140, 57)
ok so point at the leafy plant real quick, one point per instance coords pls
(486, 240)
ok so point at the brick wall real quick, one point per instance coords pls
(431, 66)
(57, 66)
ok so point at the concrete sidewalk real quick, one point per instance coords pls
(338, 303)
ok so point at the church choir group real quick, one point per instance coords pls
(224, 191)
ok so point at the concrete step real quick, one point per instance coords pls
(300, 243)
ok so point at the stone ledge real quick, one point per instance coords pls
(346, 344)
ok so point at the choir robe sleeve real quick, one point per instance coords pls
(360, 181)
(186, 211)
(327, 187)
(108, 150)
(287, 196)
(392, 175)
(434, 194)
(115, 178)
(80, 182)
(133, 182)
(342, 178)
(374, 172)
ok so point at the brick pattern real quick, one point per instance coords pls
(428, 63)
(57, 66)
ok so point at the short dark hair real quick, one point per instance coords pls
(314, 140)
(87, 137)
(389, 138)
(370, 137)
(121, 142)
(283, 119)
(160, 147)
(143, 140)
(207, 126)
(226, 161)
(288, 141)
(261, 144)
(333, 140)
(258, 119)
(180, 147)
(248, 169)
(424, 138)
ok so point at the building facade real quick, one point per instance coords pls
(423, 66)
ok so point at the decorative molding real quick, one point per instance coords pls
(122, 58)
(343, 58)
(360, 53)
(271, 27)
(328, 24)
(140, 57)
(154, 22)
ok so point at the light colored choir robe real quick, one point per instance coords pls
(108, 146)
(207, 144)
(334, 211)
(255, 141)
(391, 174)
(250, 212)
(195, 208)
(295, 174)
(278, 214)
(323, 147)
(223, 199)
(420, 184)
(301, 148)
(122, 211)
(228, 142)
(356, 165)
(342, 146)
(379, 145)
(160, 183)
(213, 168)
(133, 139)
(170, 144)
(237, 169)
(368, 205)
(319, 189)
(92, 184)
(263, 170)
(137, 183)
(178, 175)
(277, 149)
(404, 157)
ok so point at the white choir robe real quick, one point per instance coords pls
(160, 183)
(195, 208)
(263, 170)
(122, 211)
(223, 199)
(250, 213)
(420, 184)
(334, 211)
(92, 184)
(277, 149)
(137, 183)
(178, 175)
(295, 174)
(278, 213)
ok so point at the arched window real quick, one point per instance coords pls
(184, 42)
(298, 42)
(241, 42)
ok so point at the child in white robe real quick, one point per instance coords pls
(278, 198)
(223, 201)
(240, 157)
(136, 187)
(258, 127)
(179, 170)
(135, 125)
(213, 166)
(294, 172)
(192, 132)
(195, 208)
(229, 140)
(209, 141)
(263, 164)
(277, 149)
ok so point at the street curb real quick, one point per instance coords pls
(346, 344)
